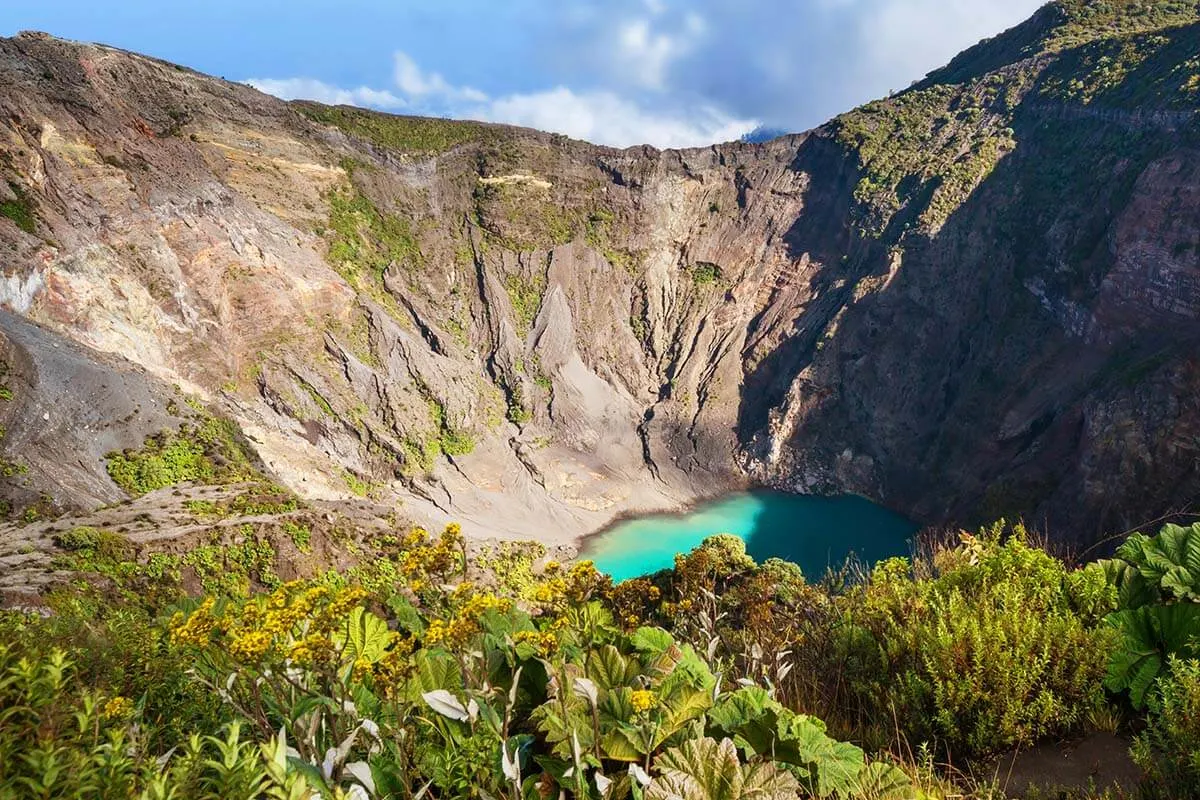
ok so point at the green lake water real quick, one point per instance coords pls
(814, 532)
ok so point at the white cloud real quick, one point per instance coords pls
(416, 83)
(908, 38)
(605, 118)
(796, 68)
(645, 55)
(310, 89)
(667, 73)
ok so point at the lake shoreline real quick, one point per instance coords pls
(681, 509)
(817, 532)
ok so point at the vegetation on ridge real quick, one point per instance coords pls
(411, 135)
(1088, 20)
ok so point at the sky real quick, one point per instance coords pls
(671, 73)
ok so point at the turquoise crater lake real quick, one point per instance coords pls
(814, 532)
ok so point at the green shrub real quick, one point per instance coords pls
(265, 499)
(57, 743)
(207, 452)
(91, 542)
(525, 295)
(366, 242)
(119, 650)
(456, 443)
(356, 485)
(706, 274)
(991, 652)
(1169, 749)
(300, 535)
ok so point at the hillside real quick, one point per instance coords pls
(974, 298)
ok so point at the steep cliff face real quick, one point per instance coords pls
(1019, 330)
(976, 297)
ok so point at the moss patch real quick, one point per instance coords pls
(525, 295)
(365, 240)
(19, 210)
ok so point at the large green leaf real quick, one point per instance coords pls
(705, 769)
(652, 641)
(566, 718)
(608, 669)
(833, 766)
(593, 623)
(1168, 562)
(736, 709)
(367, 636)
(1148, 635)
(1133, 590)
(434, 669)
(620, 739)
(765, 728)
(687, 692)
(882, 781)
(406, 615)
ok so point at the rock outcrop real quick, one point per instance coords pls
(977, 297)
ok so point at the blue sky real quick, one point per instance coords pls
(621, 72)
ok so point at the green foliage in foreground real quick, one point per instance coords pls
(1002, 646)
(512, 677)
(1158, 585)
(1169, 749)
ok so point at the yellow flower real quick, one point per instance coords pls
(342, 603)
(391, 670)
(250, 646)
(642, 701)
(310, 649)
(414, 537)
(544, 643)
(436, 632)
(196, 629)
(117, 708)
(459, 629)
